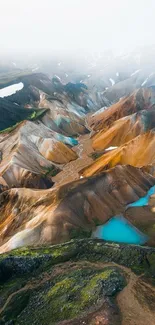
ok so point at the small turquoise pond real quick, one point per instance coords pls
(67, 140)
(119, 230)
(143, 200)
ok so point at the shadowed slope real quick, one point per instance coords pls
(73, 210)
(12, 114)
(141, 99)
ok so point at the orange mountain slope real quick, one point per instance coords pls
(140, 99)
(31, 148)
(138, 152)
(124, 130)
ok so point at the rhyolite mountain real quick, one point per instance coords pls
(77, 156)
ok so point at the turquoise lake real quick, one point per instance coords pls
(119, 230)
(143, 200)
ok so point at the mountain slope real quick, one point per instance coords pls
(73, 210)
(124, 130)
(139, 100)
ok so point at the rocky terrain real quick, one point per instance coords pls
(80, 282)
(77, 154)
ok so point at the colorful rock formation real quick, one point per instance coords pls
(143, 98)
(71, 211)
(77, 161)
(31, 148)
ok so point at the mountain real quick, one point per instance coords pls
(131, 153)
(142, 98)
(85, 281)
(124, 130)
(77, 189)
(70, 211)
(31, 148)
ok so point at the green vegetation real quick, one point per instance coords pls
(37, 113)
(33, 116)
(84, 289)
(78, 233)
(96, 155)
(43, 289)
(65, 296)
(51, 171)
(10, 129)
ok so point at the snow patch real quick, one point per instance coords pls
(111, 148)
(35, 69)
(59, 63)
(145, 81)
(100, 111)
(57, 77)
(132, 74)
(10, 90)
(112, 81)
(117, 74)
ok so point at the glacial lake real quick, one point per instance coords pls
(119, 230)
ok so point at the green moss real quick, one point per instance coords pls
(151, 263)
(60, 288)
(93, 286)
(6, 289)
(15, 306)
(79, 290)
(51, 171)
(66, 296)
(36, 114)
(96, 155)
(80, 233)
(70, 290)
(11, 128)
(33, 115)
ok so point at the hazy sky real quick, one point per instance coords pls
(75, 24)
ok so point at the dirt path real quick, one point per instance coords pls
(133, 302)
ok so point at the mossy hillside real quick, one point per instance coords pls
(79, 233)
(35, 114)
(62, 282)
(9, 287)
(25, 260)
(65, 296)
